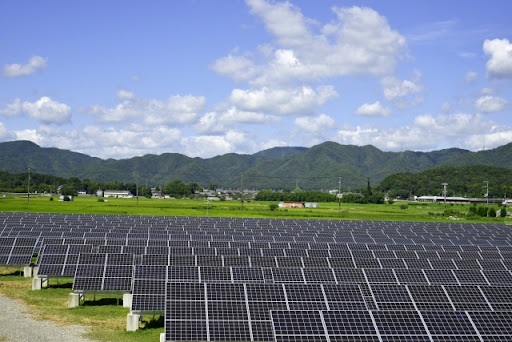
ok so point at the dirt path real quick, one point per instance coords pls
(16, 325)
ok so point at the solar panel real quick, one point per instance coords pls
(394, 272)
(17, 250)
(104, 272)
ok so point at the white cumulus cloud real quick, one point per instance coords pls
(358, 41)
(216, 123)
(315, 125)
(394, 88)
(313, 130)
(239, 68)
(124, 94)
(470, 77)
(16, 70)
(373, 109)
(48, 111)
(282, 101)
(174, 110)
(207, 146)
(500, 62)
(490, 104)
(106, 142)
(428, 132)
(12, 109)
(5, 134)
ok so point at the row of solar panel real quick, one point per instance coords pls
(356, 248)
(320, 229)
(209, 306)
(341, 235)
(290, 249)
(316, 262)
(330, 275)
(17, 251)
(385, 326)
(13, 217)
(149, 296)
(275, 237)
(202, 240)
(374, 259)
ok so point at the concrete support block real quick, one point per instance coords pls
(127, 300)
(45, 282)
(132, 322)
(36, 283)
(35, 270)
(27, 271)
(73, 300)
(162, 337)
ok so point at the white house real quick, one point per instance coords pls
(117, 193)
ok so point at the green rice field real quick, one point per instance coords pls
(398, 211)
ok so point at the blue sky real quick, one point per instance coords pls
(117, 79)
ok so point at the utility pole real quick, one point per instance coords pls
(444, 193)
(28, 186)
(487, 194)
(339, 195)
(137, 189)
(242, 190)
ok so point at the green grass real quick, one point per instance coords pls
(106, 319)
(188, 207)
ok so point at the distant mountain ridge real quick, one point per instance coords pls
(317, 167)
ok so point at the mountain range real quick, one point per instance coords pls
(317, 167)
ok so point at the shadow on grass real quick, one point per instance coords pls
(153, 323)
(103, 301)
(12, 273)
(60, 285)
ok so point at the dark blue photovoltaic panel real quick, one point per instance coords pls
(229, 274)
(104, 272)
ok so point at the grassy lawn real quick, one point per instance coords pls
(399, 211)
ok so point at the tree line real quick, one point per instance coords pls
(41, 183)
(462, 182)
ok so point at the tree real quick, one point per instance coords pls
(177, 188)
(68, 190)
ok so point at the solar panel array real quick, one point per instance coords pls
(59, 261)
(16, 250)
(104, 272)
(234, 279)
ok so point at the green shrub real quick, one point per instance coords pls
(503, 212)
(471, 214)
(404, 206)
(272, 206)
(492, 212)
(51, 198)
(101, 200)
(481, 211)
(450, 212)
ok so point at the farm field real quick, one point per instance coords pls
(398, 211)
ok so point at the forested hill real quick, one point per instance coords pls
(466, 181)
(317, 167)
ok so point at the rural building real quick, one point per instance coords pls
(311, 205)
(117, 193)
(291, 205)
